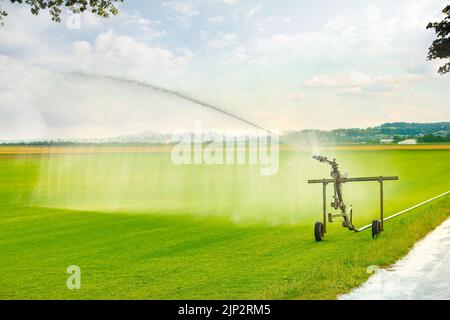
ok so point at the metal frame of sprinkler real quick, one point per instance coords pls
(320, 228)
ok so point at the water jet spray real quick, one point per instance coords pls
(178, 94)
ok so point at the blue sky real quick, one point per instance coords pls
(283, 64)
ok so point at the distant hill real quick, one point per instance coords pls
(404, 128)
(424, 132)
(395, 130)
(148, 137)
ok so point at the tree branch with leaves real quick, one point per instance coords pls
(102, 8)
(440, 48)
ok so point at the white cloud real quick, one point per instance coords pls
(257, 62)
(139, 20)
(185, 7)
(272, 22)
(203, 35)
(237, 56)
(229, 1)
(341, 37)
(283, 49)
(147, 27)
(253, 11)
(184, 11)
(215, 20)
(223, 41)
(374, 36)
(38, 42)
(130, 56)
(356, 82)
(296, 95)
(17, 35)
(19, 118)
(117, 55)
(39, 104)
(150, 28)
(353, 78)
(351, 91)
(359, 79)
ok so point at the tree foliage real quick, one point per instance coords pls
(428, 138)
(102, 8)
(440, 48)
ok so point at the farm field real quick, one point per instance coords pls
(141, 227)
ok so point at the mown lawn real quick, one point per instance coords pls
(51, 217)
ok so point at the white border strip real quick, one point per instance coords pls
(407, 210)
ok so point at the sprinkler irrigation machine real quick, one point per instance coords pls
(320, 228)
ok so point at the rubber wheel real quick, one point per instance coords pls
(319, 231)
(376, 228)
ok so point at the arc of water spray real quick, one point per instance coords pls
(177, 94)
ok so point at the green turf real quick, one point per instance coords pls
(140, 227)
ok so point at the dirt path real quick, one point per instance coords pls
(423, 274)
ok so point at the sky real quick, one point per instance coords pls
(285, 65)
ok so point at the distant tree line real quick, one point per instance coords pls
(74, 143)
(398, 131)
(434, 138)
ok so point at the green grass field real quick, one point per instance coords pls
(140, 227)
